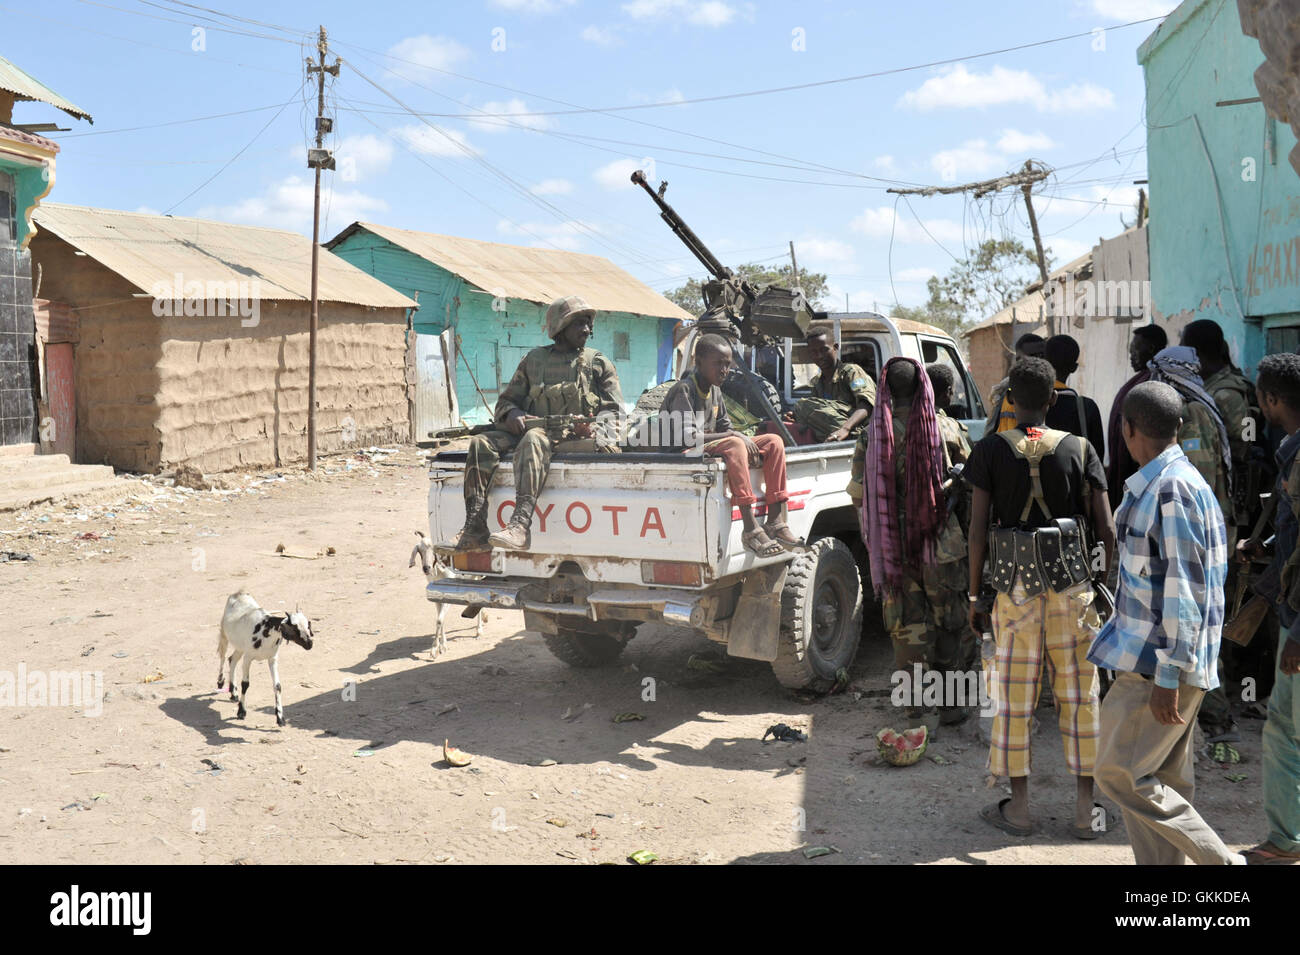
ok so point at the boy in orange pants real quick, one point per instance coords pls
(697, 397)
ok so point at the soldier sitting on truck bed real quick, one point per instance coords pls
(842, 395)
(698, 398)
(566, 378)
(748, 396)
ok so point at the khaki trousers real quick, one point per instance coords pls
(1146, 768)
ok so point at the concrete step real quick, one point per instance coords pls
(31, 480)
(32, 464)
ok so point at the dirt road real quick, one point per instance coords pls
(164, 772)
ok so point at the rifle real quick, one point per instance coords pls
(557, 427)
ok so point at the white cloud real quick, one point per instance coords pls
(671, 95)
(1126, 11)
(702, 13)
(287, 204)
(877, 224)
(972, 158)
(568, 235)
(959, 88)
(426, 140)
(815, 251)
(553, 187)
(362, 156)
(914, 275)
(884, 163)
(1064, 250)
(512, 107)
(602, 36)
(532, 6)
(617, 174)
(420, 57)
(1014, 141)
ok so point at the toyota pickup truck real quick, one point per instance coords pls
(620, 540)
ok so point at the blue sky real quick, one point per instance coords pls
(562, 180)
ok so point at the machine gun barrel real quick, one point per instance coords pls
(683, 231)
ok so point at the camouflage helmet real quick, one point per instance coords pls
(563, 311)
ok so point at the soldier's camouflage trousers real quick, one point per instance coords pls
(824, 415)
(928, 621)
(532, 461)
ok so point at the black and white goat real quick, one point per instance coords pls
(434, 569)
(250, 633)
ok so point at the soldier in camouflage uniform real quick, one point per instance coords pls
(564, 378)
(842, 395)
(1233, 395)
(927, 620)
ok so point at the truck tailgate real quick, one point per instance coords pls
(594, 509)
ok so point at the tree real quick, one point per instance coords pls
(691, 298)
(990, 278)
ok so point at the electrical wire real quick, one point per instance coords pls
(232, 159)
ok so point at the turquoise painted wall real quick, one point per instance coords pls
(1225, 201)
(493, 342)
(29, 182)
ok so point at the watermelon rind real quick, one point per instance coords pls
(902, 749)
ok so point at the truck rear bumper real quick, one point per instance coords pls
(682, 608)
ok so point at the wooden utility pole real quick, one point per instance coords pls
(794, 267)
(317, 159)
(1033, 227)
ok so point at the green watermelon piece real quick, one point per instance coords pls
(902, 749)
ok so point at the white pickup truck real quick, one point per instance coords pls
(623, 539)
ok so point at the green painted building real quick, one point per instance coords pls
(1225, 202)
(490, 301)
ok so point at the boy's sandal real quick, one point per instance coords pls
(759, 544)
(1268, 854)
(773, 530)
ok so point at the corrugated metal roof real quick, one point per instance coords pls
(535, 275)
(150, 250)
(25, 87)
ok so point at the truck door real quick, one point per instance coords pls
(967, 407)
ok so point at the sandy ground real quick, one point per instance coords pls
(165, 773)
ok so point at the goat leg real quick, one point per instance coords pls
(275, 679)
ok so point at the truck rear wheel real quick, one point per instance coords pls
(591, 645)
(821, 617)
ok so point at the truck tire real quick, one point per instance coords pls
(821, 617)
(594, 645)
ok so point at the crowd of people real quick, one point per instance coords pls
(1097, 568)
(1105, 565)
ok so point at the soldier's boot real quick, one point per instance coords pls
(517, 534)
(474, 535)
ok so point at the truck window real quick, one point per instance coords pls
(962, 406)
(866, 355)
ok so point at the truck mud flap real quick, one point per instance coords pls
(754, 630)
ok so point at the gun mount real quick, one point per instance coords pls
(728, 298)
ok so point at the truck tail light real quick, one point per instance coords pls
(476, 561)
(670, 572)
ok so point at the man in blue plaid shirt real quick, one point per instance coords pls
(1163, 639)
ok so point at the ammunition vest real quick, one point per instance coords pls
(1055, 556)
(559, 393)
